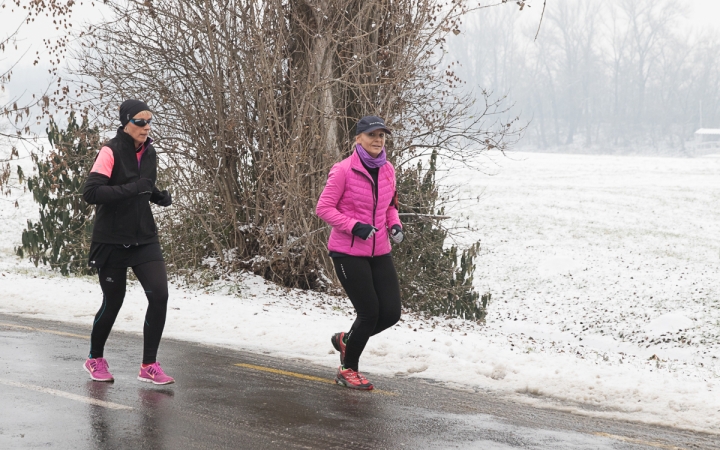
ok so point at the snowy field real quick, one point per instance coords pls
(604, 279)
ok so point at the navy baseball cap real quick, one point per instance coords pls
(370, 123)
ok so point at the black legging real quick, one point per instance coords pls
(153, 278)
(373, 288)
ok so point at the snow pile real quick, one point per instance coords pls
(603, 275)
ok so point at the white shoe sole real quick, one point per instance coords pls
(147, 380)
(96, 379)
(350, 386)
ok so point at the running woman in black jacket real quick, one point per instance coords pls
(122, 185)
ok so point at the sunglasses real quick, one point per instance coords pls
(141, 122)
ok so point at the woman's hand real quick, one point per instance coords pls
(396, 234)
(164, 199)
(363, 230)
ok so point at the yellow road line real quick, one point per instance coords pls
(247, 366)
(66, 395)
(43, 330)
(302, 376)
(639, 441)
(286, 373)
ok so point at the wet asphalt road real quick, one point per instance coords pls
(230, 399)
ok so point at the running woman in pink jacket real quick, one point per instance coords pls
(360, 203)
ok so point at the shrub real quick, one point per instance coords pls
(432, 278)
(61, 237)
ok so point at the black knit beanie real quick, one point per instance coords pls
(130, 108)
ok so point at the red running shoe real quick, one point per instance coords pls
(337, 342)
(353, 380)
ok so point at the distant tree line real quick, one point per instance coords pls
(615, 74)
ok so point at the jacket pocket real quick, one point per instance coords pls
(124, 218)
(352, 242)
(146, 221)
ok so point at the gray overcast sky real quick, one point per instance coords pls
(701, 13)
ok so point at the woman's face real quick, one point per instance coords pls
(138, 133)
(373, 141)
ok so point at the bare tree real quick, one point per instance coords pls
(256, 100)
(576, 24)
(648, 24)
(18, 112)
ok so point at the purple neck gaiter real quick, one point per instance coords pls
(368, 160)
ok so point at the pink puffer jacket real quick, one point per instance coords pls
(349, 198)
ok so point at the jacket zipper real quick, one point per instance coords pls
(137, 228)
(374, 211)
(372, 254)
(137, 210)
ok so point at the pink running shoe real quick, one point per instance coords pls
(154, 374)
(98, 369)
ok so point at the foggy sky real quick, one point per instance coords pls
(34, 79)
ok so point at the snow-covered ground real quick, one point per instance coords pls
(603, 274)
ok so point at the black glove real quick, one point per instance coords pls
(396, 234)
(144, 186)
(363, 230)
(164, 199)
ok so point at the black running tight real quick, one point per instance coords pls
(153, 278)
(373, 288)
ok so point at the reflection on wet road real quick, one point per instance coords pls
(230, 399)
